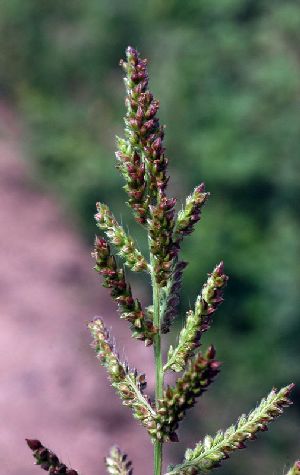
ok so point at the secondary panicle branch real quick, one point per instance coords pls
(210, 453)
(47, 459)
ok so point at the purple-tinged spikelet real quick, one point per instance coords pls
(47, 460)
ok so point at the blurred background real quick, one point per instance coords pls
(228, 77)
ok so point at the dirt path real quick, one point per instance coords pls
(51, 385)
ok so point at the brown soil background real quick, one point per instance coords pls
(52, 387)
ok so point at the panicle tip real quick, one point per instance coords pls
(34, 444)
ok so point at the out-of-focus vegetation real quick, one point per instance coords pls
(228, 76)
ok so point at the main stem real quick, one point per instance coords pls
(159, 375)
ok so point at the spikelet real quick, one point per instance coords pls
(47, 460)
(117, 463)
(199, 374)
(295, 469)
(126, 247)
(210, 453)
(198, 321)
(114, 278)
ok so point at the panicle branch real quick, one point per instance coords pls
(198, 321)
(47, 460)
(191, 213)
(128, 384)
(209, 453)
(199, 374)
(126, 247)
(114, 278)
(117, 463)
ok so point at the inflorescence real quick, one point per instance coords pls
(142, 162)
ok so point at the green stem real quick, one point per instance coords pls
(159, 375)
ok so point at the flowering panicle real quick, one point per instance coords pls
(191, 213)
(117, 236)
(142, 162)
(295, 470)
(117, 463)
(114, 278)
(199, 320)
(48, 460)
(209, 453)
(128, 384)
(171, 296)
(199, 374)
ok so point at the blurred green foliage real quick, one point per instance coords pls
(228, 76)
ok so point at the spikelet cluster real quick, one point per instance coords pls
(210, 453)
(117, 462)
(199, 320)
(199, 374)
(114, 279)
(47, 460)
